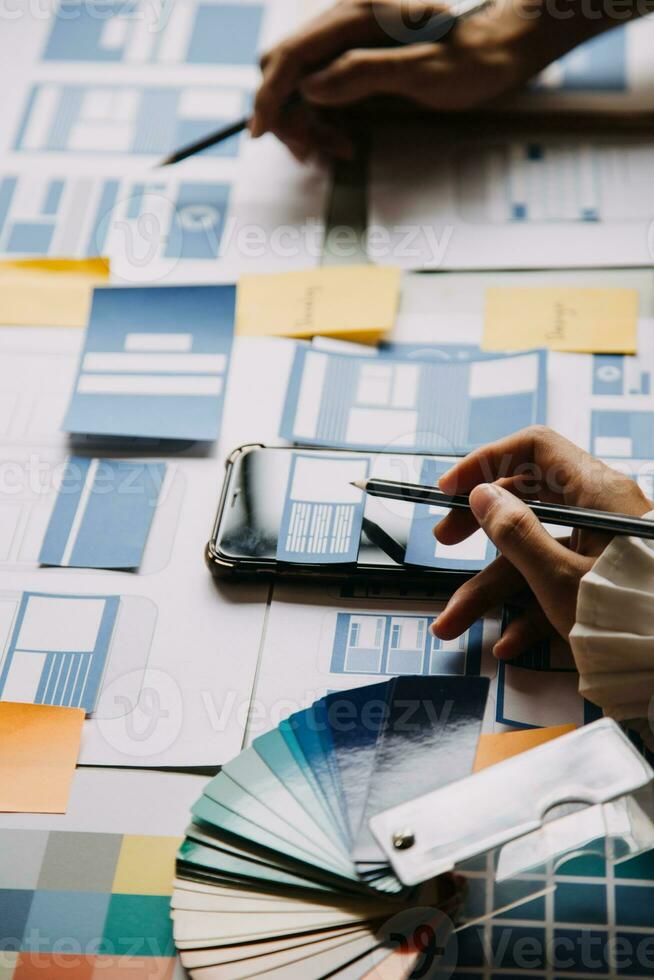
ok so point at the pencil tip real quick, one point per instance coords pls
(359, 484)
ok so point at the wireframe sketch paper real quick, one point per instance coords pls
(154, 363)
(58, 648)
(358, 402)
(102, 514)
(499, 202)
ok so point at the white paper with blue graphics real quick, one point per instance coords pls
(503, 203)
(100, 92)
(175, 686)
(357, 402)
(323, 512)
(57, 648)
(154, 363)
(333, 638)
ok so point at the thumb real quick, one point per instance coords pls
(514, 529)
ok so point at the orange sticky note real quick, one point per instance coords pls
(39, 745)
(503, 745)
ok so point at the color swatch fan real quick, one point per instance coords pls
(279, 874)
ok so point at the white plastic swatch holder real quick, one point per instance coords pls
(543, 805)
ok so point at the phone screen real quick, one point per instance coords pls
(249, 523)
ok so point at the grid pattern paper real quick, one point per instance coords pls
(85, 905)
(597, 923)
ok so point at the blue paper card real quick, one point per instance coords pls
(58, 649)
(372, 403)
(423, 549)
(154, 363)
(102, 514)
(323, 514)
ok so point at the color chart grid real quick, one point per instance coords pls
(85, 905)
(597, 923)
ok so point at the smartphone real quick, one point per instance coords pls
(243, 541)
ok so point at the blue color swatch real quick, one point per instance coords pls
(154, 363)
(323, 514)
(58, 649)
(102, 514)
(368, 403)
(472, 554)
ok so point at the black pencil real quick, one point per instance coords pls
(438, 28)
(562, 514)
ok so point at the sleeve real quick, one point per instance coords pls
(613, 637)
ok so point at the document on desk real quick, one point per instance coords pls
(57, 649)
(323, 512)
(335, 638)
(605, 402)
(357, 402)
(154, 363)
(509, 202)
(102, 514)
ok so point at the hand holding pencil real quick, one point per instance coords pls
(535, 463)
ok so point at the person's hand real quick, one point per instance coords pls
(542, 573)
(366, 48)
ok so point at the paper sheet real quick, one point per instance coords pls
(58, 648)
(496, 202)
(80, 881)
(357, 303)
(39, 745)
(155, 704)
(103, 513)
(332, 639)
(496, 747)
(369, 403)
(602, 321)
(49, 292)
(155, 363)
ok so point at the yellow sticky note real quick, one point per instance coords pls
(39, 745)
(49, 292)
(593, 321)
(357, 303)
(503, 745)
(146, 865)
